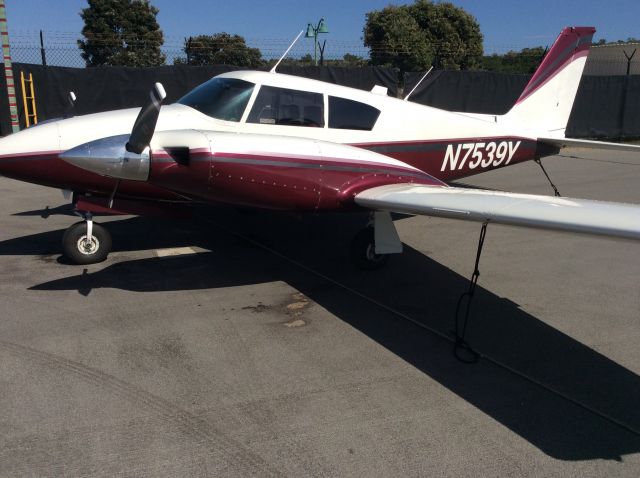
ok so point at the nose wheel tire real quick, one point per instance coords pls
(363, 251)
(80, 249)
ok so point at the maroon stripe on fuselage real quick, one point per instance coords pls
(435, 157)
(290, 181)
(47, 169)
(312, 162)
(276, 182)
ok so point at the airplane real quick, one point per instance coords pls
(268, 140)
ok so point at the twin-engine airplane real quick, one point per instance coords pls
(268, 140)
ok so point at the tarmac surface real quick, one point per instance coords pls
(242, 343)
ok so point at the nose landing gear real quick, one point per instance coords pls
(86, 242)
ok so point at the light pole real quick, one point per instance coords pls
(312, 32)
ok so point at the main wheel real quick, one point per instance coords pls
(363, 251)
(79, 250)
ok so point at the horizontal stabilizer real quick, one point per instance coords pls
(585, 143)
(545, 212)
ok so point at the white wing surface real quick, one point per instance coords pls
(546, 212)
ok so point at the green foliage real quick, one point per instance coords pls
(347, 61)
(602, 41)
(525, 61)
(121, 33)
(453, 34)
(306, 60)
(424, 34)
(221, 49)
(351, 60)
(395, 39)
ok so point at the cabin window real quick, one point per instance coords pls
(220, 98)
(281, 106)
(349, 114)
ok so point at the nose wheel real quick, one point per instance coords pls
(86, 242)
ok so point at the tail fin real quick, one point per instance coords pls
(546, 102)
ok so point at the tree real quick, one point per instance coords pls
(221, 49)
(424, 34)
(395, 39)
(526, 60)
(306, 59)
(121, 33)
(352, 60)
(602, 41)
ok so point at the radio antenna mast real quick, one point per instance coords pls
(406, 98)
(273, 70)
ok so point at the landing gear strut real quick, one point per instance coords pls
(363, 251)
(86, 242)
(370, 248)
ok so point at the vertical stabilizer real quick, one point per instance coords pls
(546, 102)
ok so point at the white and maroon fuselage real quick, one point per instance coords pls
(276, 170)
(251, 156)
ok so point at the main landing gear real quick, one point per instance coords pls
(86, 242)
(363, 251)
(371, 246)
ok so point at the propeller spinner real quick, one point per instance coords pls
(118, 156)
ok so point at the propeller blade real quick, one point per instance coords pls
(145, 124)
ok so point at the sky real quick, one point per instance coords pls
(505, 24)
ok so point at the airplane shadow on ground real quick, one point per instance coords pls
(413, 284)
(63, 210)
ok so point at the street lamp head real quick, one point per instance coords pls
(322, 26)
(310, 31)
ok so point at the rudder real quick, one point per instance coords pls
(547, 100)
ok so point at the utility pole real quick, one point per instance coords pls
(8, 70)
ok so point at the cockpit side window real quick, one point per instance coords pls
(283, 106)
(349, 114)
(220, 98)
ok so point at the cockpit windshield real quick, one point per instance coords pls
(220, 98)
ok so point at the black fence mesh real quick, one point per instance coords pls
(605, 107)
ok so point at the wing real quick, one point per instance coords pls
(585, 143)
(546, 212)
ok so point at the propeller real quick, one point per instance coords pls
(145, 124)
(122, 156)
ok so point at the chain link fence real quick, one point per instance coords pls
(61, 49)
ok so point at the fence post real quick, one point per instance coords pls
(629, 58)
(42, 52)
(623, 113)
(8, 70)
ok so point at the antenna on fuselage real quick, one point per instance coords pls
(273, 70)
(418, 84)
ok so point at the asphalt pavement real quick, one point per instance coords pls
(244, 343)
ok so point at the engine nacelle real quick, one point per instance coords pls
(109, 157)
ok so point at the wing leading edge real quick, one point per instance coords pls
(545, 212)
